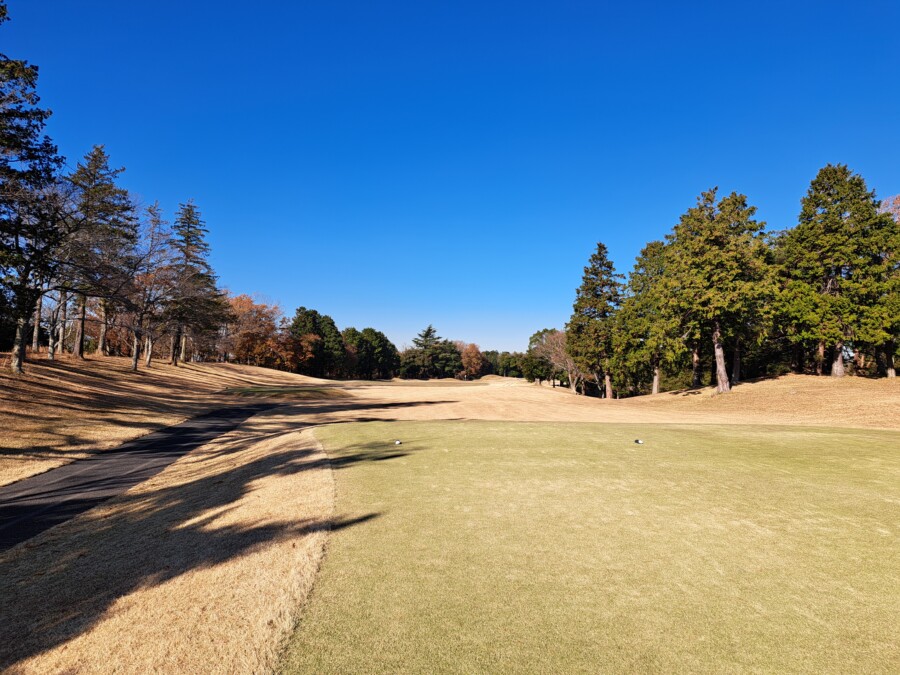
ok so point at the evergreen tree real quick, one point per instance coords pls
(421, 360)
(881, 320)
(717, 272)
(590, 332)
(196, 306)
(647, 332)
(327, 350)
(835, 264)
(385, 357)
(101, 258)
(33, 208)
(430, 357)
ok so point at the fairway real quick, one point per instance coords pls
(523, 547)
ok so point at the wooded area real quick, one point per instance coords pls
(721, 294)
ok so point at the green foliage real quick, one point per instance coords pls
(717, 273)
(370, 355)
(647, 337)
(538, 364)
(838, 267)
(327, 348)
(431, 357)
(591, 331)
(33, 214)
(196, 304)
(101, 258)
(716, 264)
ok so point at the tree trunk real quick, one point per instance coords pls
(607, 382)
(889, 349)
(51, 331)
(102, 347)
(78, 347)
(173, 351)
(135, 350)
(182, 353)
(837, 367)
(36, 336)
(655, 387)
(63, 320)
(736, 364)
(149, 351)
(696, 380)
(797, 359)
(820, 357)
(722, 385)
(17, 356)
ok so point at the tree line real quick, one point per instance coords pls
(85, 268)
(76, 247)
(720, 295)
(312, 344)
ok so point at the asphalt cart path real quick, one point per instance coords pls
(35, 504)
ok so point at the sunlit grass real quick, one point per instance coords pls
(293, 393)
(519, 547)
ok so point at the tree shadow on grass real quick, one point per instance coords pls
(62, 583)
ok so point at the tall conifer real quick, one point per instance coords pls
(590, 331)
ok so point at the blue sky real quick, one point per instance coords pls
(396, 164)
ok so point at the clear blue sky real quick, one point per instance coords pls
(396, 164)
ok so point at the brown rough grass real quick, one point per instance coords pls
(200, 569)
(63, 410)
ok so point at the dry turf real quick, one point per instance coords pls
(66, 409)
(562, 547)
(746, 533)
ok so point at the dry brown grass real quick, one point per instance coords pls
(62, 410)
(200, 569)
(792, 400)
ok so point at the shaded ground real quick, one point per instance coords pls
(67, 409)
(35, 504)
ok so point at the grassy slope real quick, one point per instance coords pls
(62, 410)
(567, 547)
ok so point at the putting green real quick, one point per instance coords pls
(520, 547)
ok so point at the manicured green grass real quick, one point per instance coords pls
(519, 547)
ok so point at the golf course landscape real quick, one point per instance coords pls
(513, 528)
(449, 338)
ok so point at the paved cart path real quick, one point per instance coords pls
(38, 503)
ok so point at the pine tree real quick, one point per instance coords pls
(101, 259)
(196, 306)
(590, 332)
(33, 213)
(426, 344)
